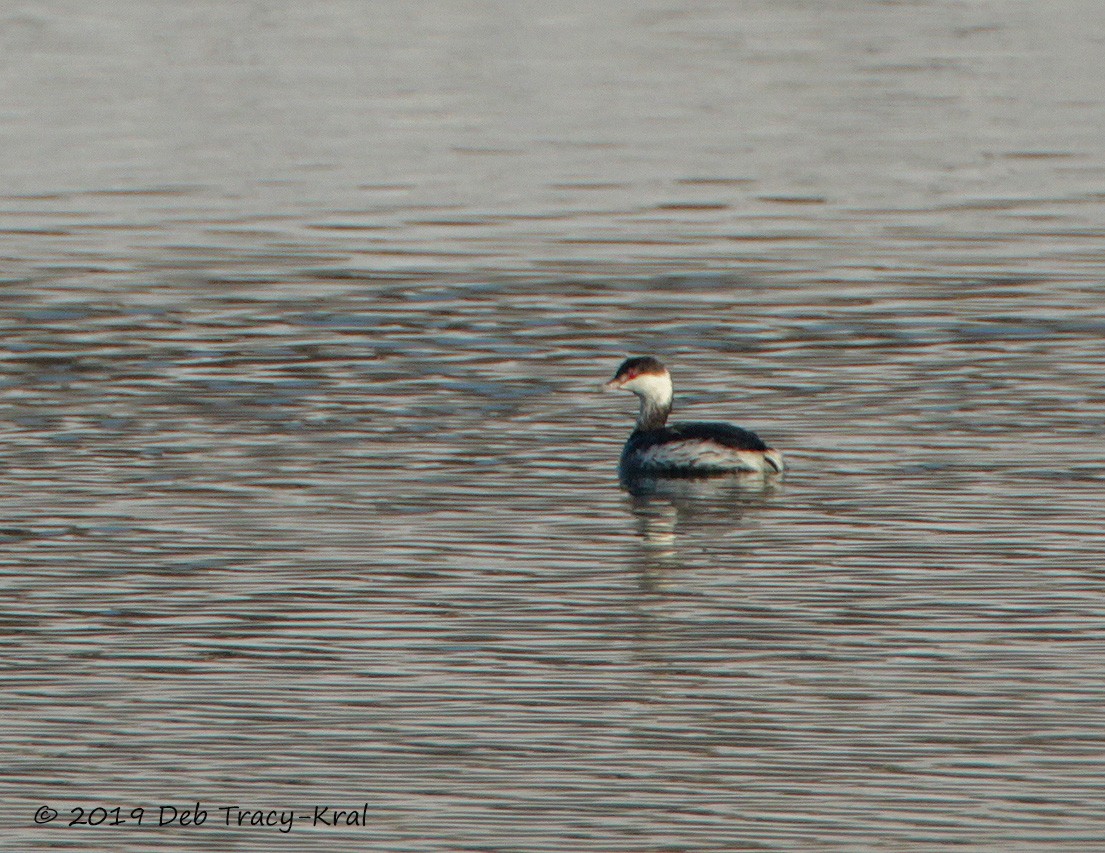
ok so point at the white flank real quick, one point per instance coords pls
(702, 455)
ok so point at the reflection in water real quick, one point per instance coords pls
(666, 507)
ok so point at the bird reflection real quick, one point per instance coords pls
(667, 507)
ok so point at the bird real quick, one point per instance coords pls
(688, 449)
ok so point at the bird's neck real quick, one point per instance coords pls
(654, 391)
(654, 412)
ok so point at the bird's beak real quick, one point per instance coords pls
(612, 385)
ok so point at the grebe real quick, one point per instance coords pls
(682, 449)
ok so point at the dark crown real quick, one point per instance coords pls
(638, 365)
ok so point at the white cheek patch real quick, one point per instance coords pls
(652, 385)
(698, 455)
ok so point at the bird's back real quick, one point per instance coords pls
(698, 448)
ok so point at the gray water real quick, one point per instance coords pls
(311, 498)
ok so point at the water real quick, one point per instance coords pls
(311, 497)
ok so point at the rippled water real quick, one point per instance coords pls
(311, 496)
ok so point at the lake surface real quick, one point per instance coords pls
(311, 496)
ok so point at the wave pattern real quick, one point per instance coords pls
(311, 497)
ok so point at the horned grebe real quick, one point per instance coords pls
(683, 449)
